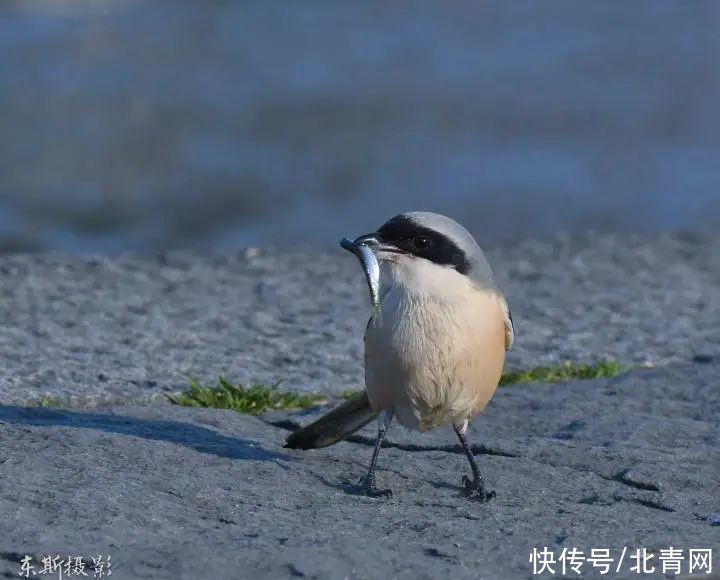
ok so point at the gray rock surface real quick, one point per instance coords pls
(99, 330)
(171, 492)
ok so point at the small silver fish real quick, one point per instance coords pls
(370, 267)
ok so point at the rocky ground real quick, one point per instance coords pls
(170, 492)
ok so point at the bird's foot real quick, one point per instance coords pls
(370, 489)
(474, 489)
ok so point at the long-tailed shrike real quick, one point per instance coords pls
(435, 345)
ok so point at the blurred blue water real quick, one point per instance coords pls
(139, 125)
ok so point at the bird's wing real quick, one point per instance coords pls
(509, 326)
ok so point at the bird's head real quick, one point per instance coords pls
(429, 242)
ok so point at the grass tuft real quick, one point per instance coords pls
(48, 402)
(256, 399)
(249, 399)
(566, 372)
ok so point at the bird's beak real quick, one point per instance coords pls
(369, 240)
(375, 244)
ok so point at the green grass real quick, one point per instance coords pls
(566, 372)
(258, 398)
(249, 399)
(49, 402)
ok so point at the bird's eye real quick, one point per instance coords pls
(421, 242)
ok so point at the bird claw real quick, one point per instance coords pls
(475, 490)
(368, 488)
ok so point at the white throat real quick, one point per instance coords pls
(410, 276)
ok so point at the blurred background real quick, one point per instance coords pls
(138, 125)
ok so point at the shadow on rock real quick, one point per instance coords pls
(186, 434)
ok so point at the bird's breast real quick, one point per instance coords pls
(434, 358)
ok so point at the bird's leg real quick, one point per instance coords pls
(368, 486)
(475, 488)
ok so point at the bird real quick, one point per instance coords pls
(434, 347)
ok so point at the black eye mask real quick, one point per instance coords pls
(423, 242)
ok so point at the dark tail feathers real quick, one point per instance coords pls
(334, 426)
